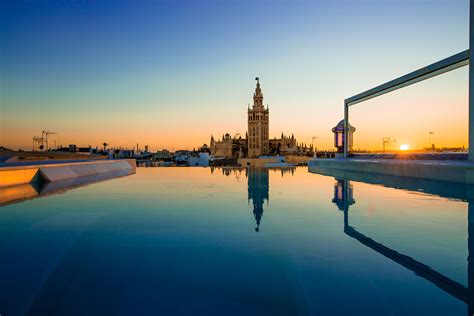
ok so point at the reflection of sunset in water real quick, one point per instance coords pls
(17, 192)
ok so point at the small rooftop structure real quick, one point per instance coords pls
(338, 131)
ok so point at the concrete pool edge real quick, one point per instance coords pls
(439, 170)
(17, 175)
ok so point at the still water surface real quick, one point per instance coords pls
(245, 242)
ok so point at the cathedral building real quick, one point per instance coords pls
(222, 147)
(287, 145)
(257, 142)
(258, 123)
(229, 147)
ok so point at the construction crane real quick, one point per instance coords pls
(387, 141)
(45, 134)
(37, 141)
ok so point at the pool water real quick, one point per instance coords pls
(239, 242)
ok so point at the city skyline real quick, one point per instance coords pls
(177, 72)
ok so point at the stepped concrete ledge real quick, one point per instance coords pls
(50, 172)
(458, 171)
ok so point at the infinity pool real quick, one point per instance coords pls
(243, 242)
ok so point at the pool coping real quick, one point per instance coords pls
(50, 172)
(458, 171)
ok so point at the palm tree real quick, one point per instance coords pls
(105, 145)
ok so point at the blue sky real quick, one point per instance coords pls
(170, 73)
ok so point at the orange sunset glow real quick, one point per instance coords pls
(176, 98)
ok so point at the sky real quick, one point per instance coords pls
(168, 74)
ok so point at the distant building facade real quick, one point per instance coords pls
(229, 147)
(200, 159)
(287, 145)
(221, 147)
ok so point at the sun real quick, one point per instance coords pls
(404, 147)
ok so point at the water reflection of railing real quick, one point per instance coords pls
(452, 287)
(343, 198)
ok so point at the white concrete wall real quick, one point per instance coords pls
(61, 171)
(439, 170)
(18, 175)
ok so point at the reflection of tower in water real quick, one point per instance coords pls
(258, 187)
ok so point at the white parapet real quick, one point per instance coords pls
(18, 175)
(61, 171)
(51, 173)
(439, 170)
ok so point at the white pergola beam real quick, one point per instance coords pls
(453, 62)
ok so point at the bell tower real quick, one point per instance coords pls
(258, 122)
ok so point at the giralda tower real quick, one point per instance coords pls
(258, 144)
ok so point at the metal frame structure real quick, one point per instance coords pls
(453, 62)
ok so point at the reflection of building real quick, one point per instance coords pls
(285, 170)
(257, 142)
(258, 187)
(343, 194)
